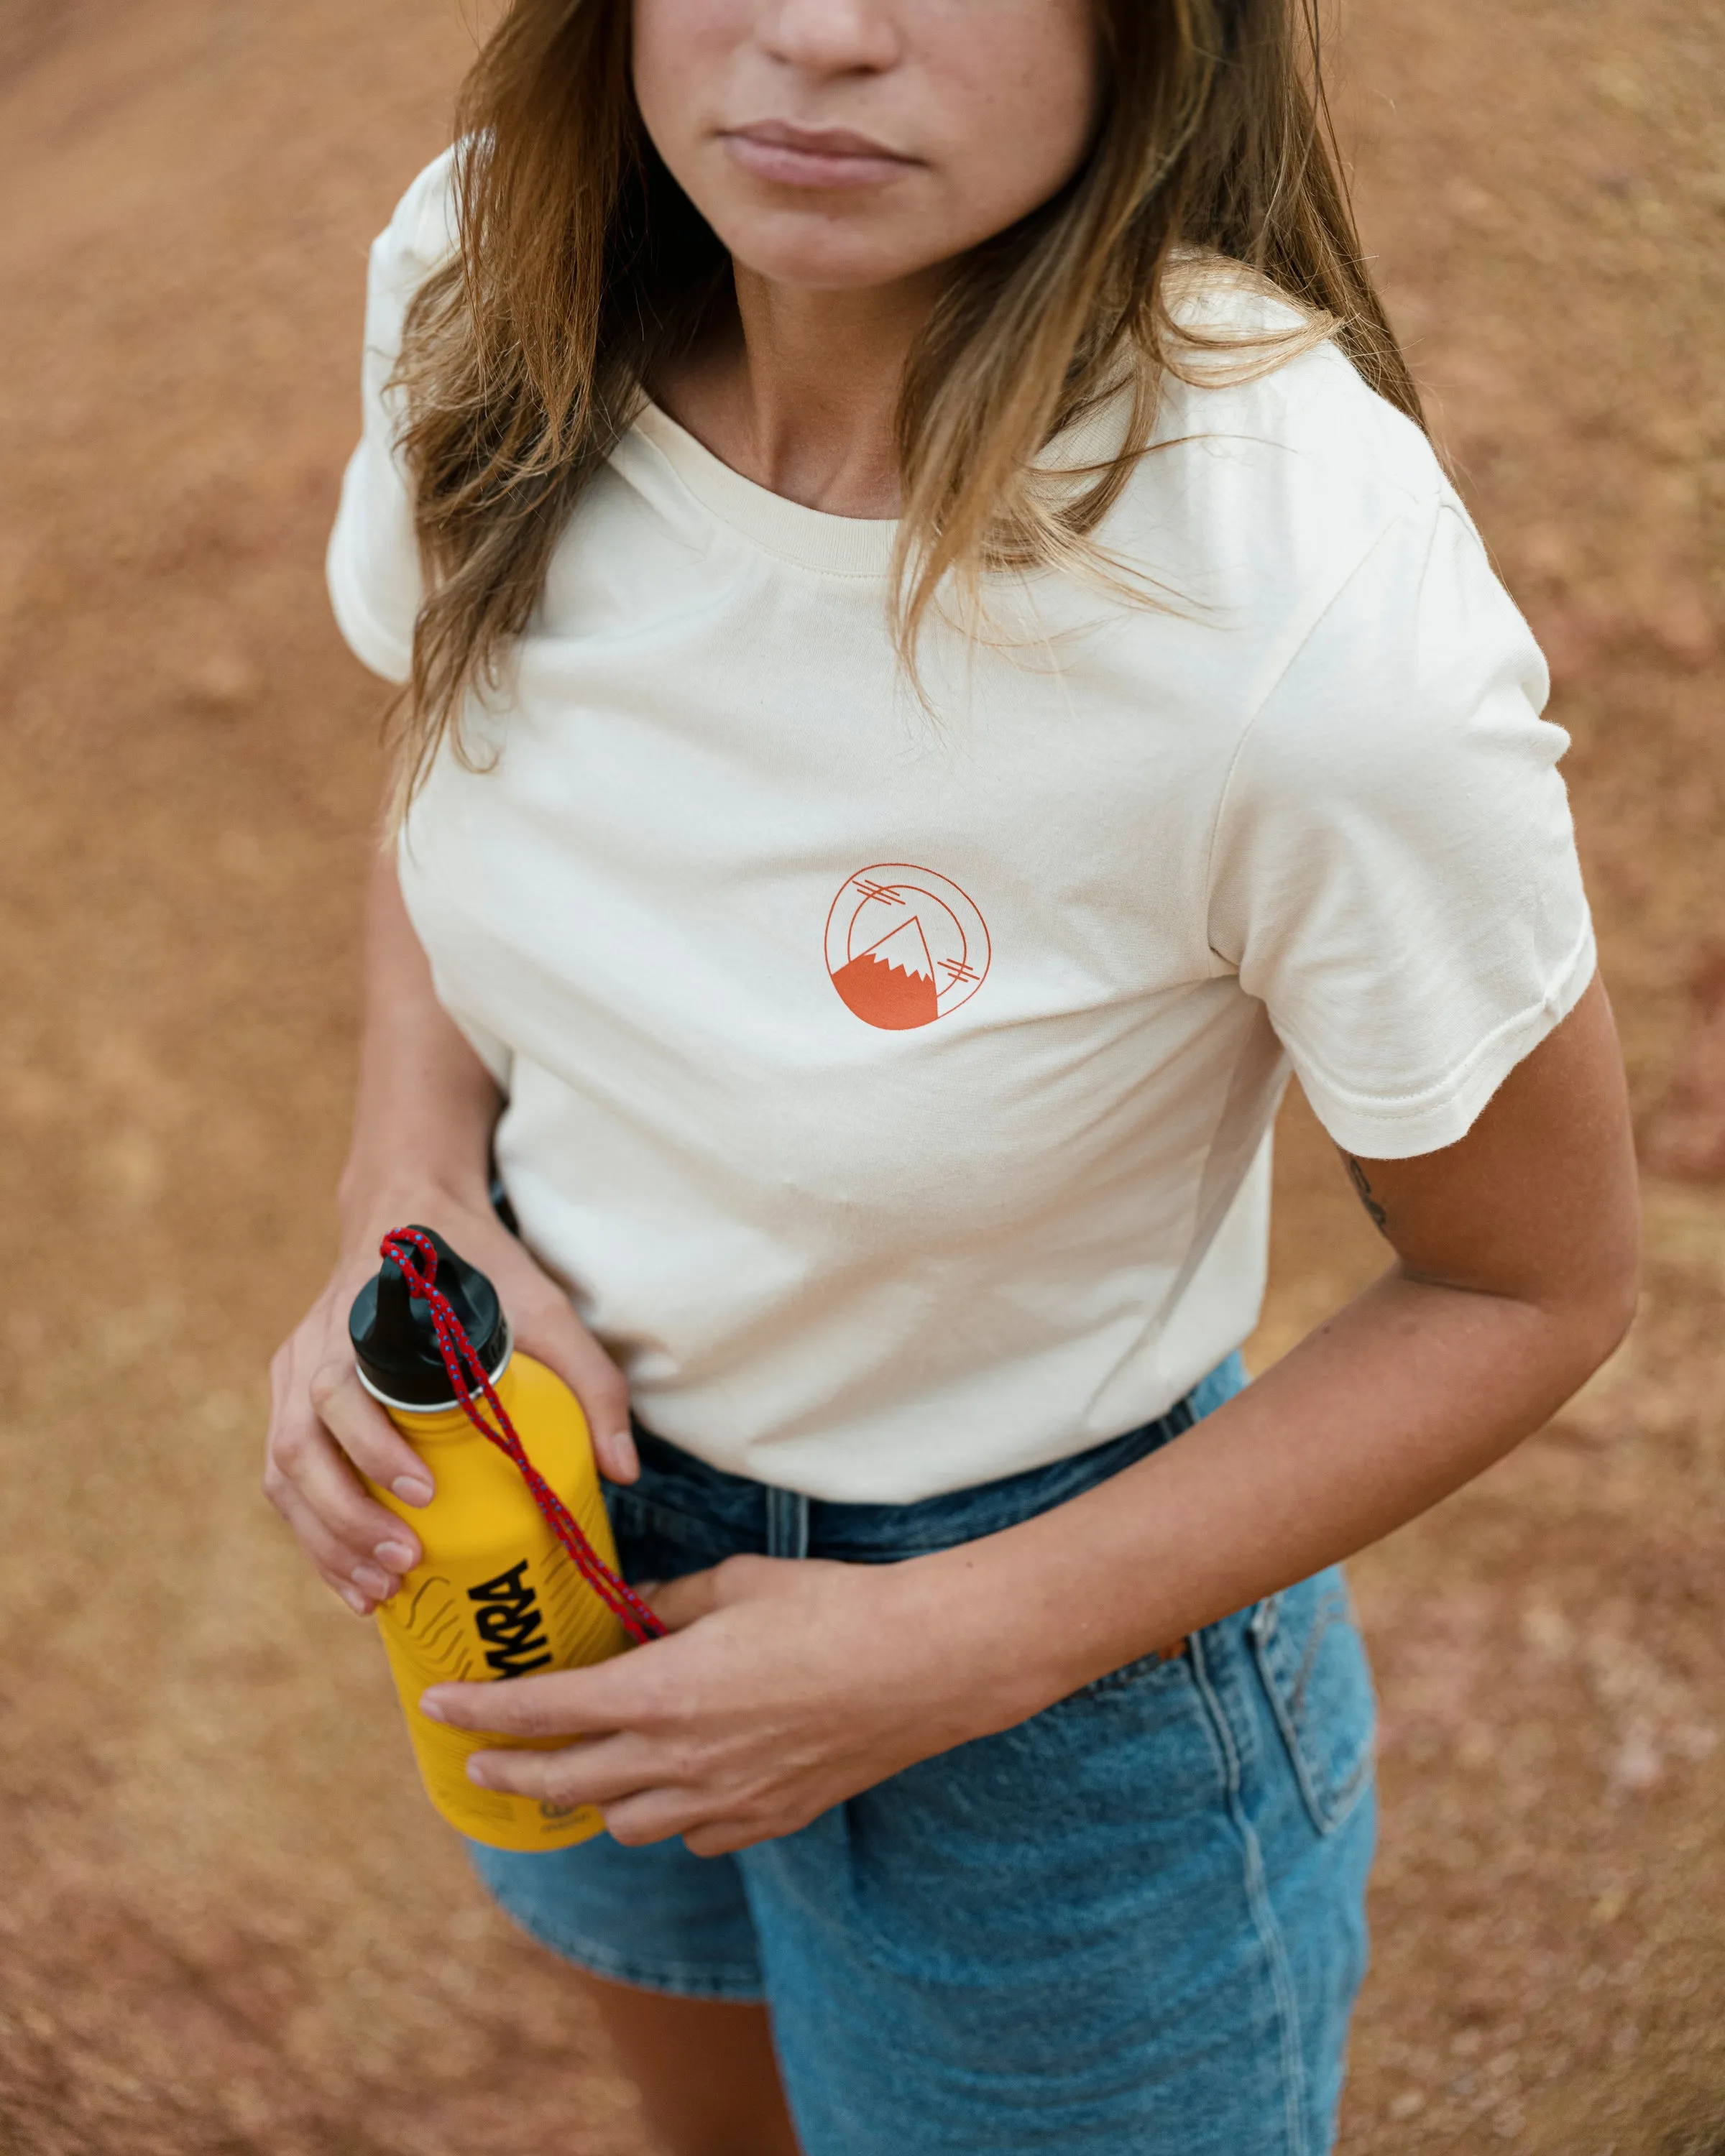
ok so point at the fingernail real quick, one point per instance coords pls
(378, 1584)
(355, 1600)
(478, 1773)
(411, 1489)
(396, 1557)
(619, 1449)
(431, 1707)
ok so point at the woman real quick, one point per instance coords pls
(939, 661)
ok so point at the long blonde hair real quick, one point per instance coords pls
(582, 268)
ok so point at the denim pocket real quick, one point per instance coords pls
(1135, 1748)
(1312, 1663)
(1147, 1671)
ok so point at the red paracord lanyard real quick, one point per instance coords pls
(459, 1360)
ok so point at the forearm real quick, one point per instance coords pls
(425, 1104)
(1401, 1399)
(1518, 1249)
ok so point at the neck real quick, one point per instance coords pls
(800, 392)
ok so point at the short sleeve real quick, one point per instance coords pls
(1394, 872)
(373, 562)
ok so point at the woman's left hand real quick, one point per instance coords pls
(785, 1686)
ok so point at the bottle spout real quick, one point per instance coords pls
(395, 1343)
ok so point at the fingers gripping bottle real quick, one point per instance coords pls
(497, 1592)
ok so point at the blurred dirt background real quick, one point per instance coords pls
(229, 1926)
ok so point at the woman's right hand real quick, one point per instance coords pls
(324, 1424)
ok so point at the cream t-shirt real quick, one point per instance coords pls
(892, 1092)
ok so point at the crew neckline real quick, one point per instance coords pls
(840, 545)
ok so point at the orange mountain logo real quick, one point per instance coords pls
(904, 946)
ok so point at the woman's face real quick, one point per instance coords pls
(838, 144)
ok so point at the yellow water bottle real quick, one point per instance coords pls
(496, 1592)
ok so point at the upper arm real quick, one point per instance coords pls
(1395, 878)
(1539, 1201)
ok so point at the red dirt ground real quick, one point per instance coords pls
(230, 1926)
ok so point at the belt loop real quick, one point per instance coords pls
(787, 1523)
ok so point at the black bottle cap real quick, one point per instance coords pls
(395, 1343)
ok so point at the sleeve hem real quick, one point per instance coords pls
(1438, 1116)
(366, 637)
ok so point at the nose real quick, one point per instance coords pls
(827, 38)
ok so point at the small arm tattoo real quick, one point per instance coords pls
(1363, 1191)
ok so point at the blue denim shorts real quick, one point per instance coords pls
(1131, 1926)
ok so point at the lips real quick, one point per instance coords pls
(786, 156)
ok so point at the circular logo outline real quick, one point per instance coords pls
(886, 885)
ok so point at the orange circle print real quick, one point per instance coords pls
(904, 946)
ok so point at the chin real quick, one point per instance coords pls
(821, 259)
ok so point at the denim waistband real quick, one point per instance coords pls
(775, 1523)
